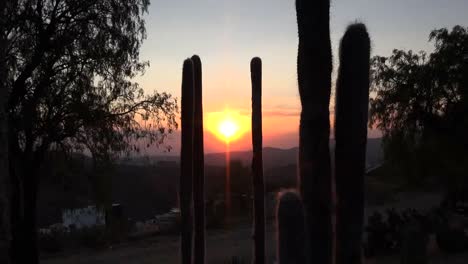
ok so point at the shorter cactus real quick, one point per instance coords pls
(291, 229)
(414, 245)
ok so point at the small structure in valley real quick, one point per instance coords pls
(83, 217)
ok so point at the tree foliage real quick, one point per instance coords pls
(421, 105)
(71, 68)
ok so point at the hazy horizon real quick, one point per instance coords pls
(281, 141)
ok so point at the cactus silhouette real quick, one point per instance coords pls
(414, 246)
(314, 66)
(257, 162)
(291, 229)
(351, 111)
(186, 161)
(198, 167)
(304, 223)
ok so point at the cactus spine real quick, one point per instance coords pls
(198, 167)
(186, 161)
(314, 66)
(291, 229)
(257, 162)
(352, 99)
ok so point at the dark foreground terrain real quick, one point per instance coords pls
(221, 247)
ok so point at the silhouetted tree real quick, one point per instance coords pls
(421, 106)
(71, 65)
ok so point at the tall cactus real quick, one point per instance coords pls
(291, 229)
(352, 99)
(186, 161)
(257, 162)
(314, 66)
(198, 167)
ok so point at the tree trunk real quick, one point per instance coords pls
(24, 166)
(5, 235)
(30, 224)
(24, 247)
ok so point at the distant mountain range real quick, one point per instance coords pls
(272, 157)
(275, 157)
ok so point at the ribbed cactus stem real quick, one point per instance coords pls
(291, 230)
(352, 99)
(414, 245)
(314, 66)
(257, 162)
(186, 161)
(198, 167)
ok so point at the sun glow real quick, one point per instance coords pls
(227, 126)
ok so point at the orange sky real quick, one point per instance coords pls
(227, 34)
(279, 130)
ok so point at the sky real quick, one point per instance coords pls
(226, 34)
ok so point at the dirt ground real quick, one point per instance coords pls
(220, 247)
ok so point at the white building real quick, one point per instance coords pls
(83, 217)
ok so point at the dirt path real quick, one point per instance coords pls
(221, 246)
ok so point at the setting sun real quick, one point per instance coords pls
(227, 126)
